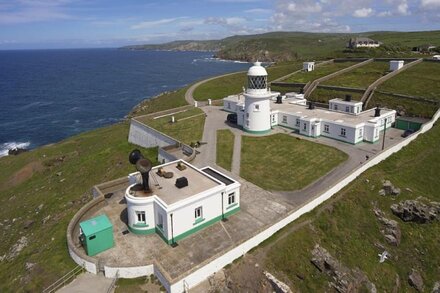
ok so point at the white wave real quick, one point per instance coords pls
(5, 147)
(213, 59)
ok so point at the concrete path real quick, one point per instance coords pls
(88, 283)
(236, 156)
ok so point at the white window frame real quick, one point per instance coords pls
(305, 126)
(361, 133)
(336, 107)
(141, 217)
(198, 213)
(231, 198)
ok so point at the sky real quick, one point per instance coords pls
(37, 24)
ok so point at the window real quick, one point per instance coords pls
(326, 128)
(257, 107)
(347, 108)
(247, 115)
(140, 216)
(361, 133)
(336, 107)
(343, 132)
(229, 105)
(247, 122)
(198, 213)
(305, 126)
(231, 198)
(160, 221)
(273, 119)
(92, 237)
(297, 122)
(284, 119)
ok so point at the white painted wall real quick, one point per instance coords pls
(396, 64)
(138, 204)
(128, 272)
(147, 137)
(257, 119)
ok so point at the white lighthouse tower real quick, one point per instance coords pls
(257, 101)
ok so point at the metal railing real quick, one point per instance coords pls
(113, 284)
(61, 282)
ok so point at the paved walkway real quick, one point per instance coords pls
(88, 283)
(236, 156)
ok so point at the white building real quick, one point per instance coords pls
(344, 120)
(436, 57)
(363, 43)
(308, 66)
(396, 64)
(174, 212)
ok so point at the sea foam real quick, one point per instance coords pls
(5, 147)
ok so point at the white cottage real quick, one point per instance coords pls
(174, 210)
(396, 64)
(308, 66)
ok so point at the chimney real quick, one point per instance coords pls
(377, 112)
(311, 105)
(279, 99)
(348, 98)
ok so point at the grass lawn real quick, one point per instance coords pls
(58, 177)
(282, 162)
(225, 148)
(361, 77)
(164, 101)
(422, 80)
(348, 229)
(186, 129)
(319, 72)
(232, 84)
(410, 107)
(324, 95)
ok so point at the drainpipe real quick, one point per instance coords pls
(384, 132)
(173, 243)
(223, 214)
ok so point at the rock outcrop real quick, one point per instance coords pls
(391, 230)
(277, 285)
(344, 279)
(415, 280)
(416, 211)
(389, 189)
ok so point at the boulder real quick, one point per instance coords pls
(415, 280)
(344, 279)
(416, 211)
(436, 288)
(389, 189)
(277, 285)
(16, 151)
(391, 230)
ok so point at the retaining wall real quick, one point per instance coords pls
(129, 272)
(147, 137)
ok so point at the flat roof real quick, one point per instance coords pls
(166, 189)
(341, 101)
(337, 117)
(96, 224)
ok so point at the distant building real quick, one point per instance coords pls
(424, 48)
(308, 66)
(396, 64)
(363, 43)
(436, 57)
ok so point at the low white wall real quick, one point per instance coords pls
(142, 135)
(87, 265)
(214, 266)
(129, 272)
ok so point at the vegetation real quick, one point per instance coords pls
(187, 128)
(225, 148)
(349, 230)
(232, 84)
(164, 101)
(324, 95)
(42, 190)
(282, 162)
(361, 77)
(320, 71)
(421, 80)
(407, 107)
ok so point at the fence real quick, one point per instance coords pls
(67, 278)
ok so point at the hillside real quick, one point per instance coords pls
(288, 46)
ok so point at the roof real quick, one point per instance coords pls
(412, 119)
(166, 189)
(94, 225)
(341, 101)
(257, 70)
(362, 39)
(226, 180)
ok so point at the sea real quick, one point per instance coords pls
(49, 95)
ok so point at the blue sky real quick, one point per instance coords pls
(28, 24)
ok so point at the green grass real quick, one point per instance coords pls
(409, 107)
(324, 95)
(319, 72)
(422, 80)
(185, 130)
(62, 186)
(164, 101)
(349, 230)
(232, 84)
(282, 162)
(360, 77)
(225, 148)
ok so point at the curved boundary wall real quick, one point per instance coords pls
(212, 266)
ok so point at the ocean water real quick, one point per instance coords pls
(49, 95)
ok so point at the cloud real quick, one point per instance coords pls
(258, 11)
(155, 23)
(363, 12)
(430, 3)
(228, 21)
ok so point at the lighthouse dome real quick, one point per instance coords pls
(257, 70)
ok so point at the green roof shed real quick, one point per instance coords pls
(97, 234)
